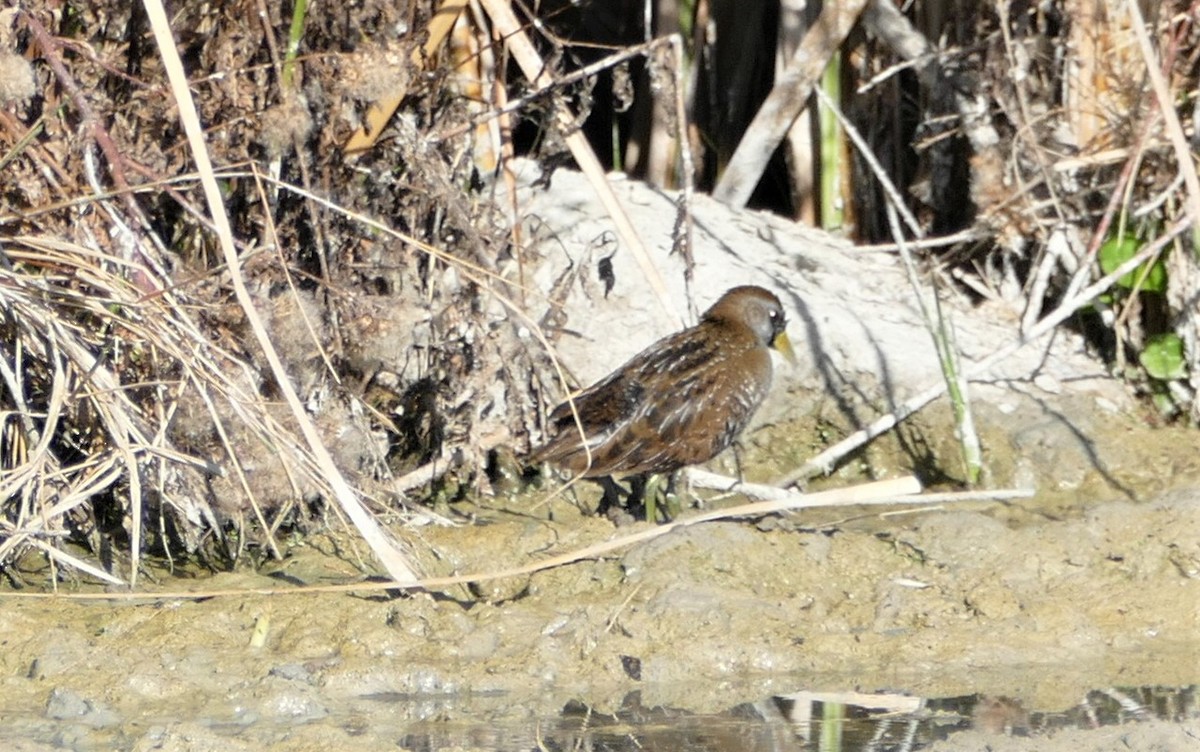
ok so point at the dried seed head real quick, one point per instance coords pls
(377, 72)
(16, 79)
(283, 124)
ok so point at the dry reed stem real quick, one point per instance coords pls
(1166, 104)
(787, 99)
(535, 69)
(762, 492)
(389, 554)
(64, 558)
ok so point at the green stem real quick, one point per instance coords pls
(832, 216)
(295, 33)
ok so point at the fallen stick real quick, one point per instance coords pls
(764, 492)
(895, 491)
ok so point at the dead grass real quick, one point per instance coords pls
(145, 370)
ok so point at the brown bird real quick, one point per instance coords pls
(681, 401)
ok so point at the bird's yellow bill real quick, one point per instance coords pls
(784, 346)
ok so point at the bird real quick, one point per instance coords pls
(681, 401)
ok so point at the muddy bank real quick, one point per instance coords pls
(1091, 582)
(1037, 602)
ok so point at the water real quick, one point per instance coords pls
(801, 721)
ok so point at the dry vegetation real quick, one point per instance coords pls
(357, 162)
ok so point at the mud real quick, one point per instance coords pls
(1088, 584)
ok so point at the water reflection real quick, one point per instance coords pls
(848, 721)
(799, 722)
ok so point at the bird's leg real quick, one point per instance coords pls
(610, 505)
(612, 495)
(638, 486)
(643, 496)
(737, 461)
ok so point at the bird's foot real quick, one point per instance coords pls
(610, 502)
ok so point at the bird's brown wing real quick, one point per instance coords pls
(706, 411)
(664, 409)
(602, 408)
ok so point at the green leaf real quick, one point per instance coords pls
(1119, 249)
(1163, 357)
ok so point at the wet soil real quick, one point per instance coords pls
(1088, 584)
